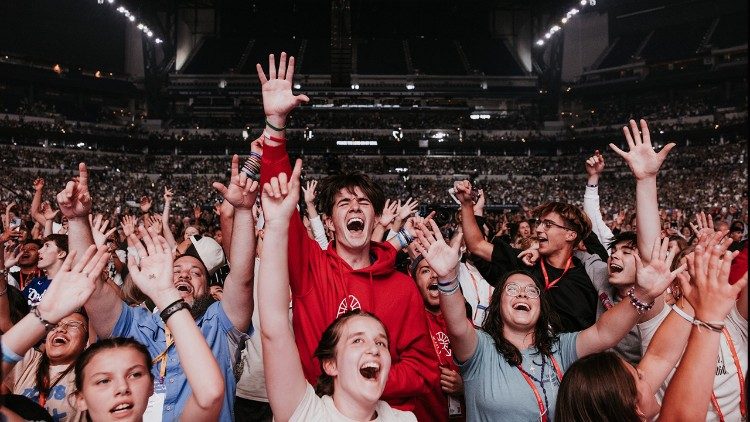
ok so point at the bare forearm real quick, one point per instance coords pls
(462, 334)
(273, 276)
(226, 222)
(79, 235)
(693, 381)
(22, 337)
(103, 308)
(166, 231)
(648, 224)
(238, 287)
(609, 329)
(665, 350)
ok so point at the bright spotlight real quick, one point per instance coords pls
(150, 34)
(297, 86)
(110, 1)
(132, 18)
(564, 20)
(583, 2)
(547, 35)
(158, 41)
(540, 42)
(410, 86)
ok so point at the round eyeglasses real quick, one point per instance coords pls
(513, 290)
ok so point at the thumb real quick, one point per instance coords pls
(664, 151)
(302, 98)
(456, 246)
(220, 188)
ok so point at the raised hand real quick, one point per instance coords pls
(99, 229)
(643, 161)
(47, 211)
(128, 225)
(407, 208)
(168, 195)
(708, 290)
(280, 195)
(595, 164)
(197, 211)
(309, 191)
(655, 277)
(278, 99)
(153, 224)
(479, 205)
(704, 224)
(389, 213)
(73, 284)
(462, 190)
(11, 253)
(241, 192)
(75, 200)
(443, 259)
(38, 184)
(153, 273)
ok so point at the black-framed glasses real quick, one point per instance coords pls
(513, 290)
(548, 224)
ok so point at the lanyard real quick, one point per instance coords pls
(547, 284)
(46, 387)
(21, 282)
(542, 410)
(161, 358)
(736, 359)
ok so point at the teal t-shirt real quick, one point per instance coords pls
(496, 391)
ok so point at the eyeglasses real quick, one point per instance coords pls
(547, 224)
(71, 325)
(514, 290)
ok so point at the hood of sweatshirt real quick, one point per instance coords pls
(382, 255)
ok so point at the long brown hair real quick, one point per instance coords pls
(597, 388)
(108, 344)
(544, 336)
(326, 349)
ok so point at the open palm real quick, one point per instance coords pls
(276, 89)
(443, 258)
(643, 161)
(280, 196)
(655, 277)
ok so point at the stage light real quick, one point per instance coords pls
(540, 42)
(583, 2)
(547, 35)
(158, 41)
(132, 18)
(150, 34)
(100, 1)
(98, 74)
(297, 86)
(110, 1)
(564, 20)
(409, 86)
(140, 26)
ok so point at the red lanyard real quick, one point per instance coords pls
(736, 359)
(547, 284)
(542, 410)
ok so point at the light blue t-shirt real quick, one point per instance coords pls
(223, 339)
(496, 391)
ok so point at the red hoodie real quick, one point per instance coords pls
(324, 286)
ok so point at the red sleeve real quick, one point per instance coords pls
(275, 161)
(417, 366)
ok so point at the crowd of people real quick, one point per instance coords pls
(257, 288)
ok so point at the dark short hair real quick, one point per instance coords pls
(572, 216)
(332, 185)
(61, 241)
(36, 242)
(628, 236)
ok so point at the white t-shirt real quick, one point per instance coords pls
(477, 291)
(726, 382)
(322, 409)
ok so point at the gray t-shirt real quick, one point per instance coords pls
(495, 390)
(630, 345)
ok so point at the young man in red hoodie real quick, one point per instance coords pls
(353, 272)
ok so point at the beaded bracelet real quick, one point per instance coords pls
(48, 326)
(641, 307)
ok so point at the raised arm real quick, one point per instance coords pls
(651, 281)
(285, 380)
(167, 232)
(319, 232)
(238, 286)
(72, 287)
(153, 276)
(36, 201)
(104, 306)
(644, 162)
(444, 260)
(594, 169)
(713, 298)
(473, 237)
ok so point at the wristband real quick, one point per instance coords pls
(641, 307)
(716, 327)
(48, 326)
(401, 240)
(9, 356)
(448, 291)
(683, 314)
(277, 129)
(407, 236)
(175, 306)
